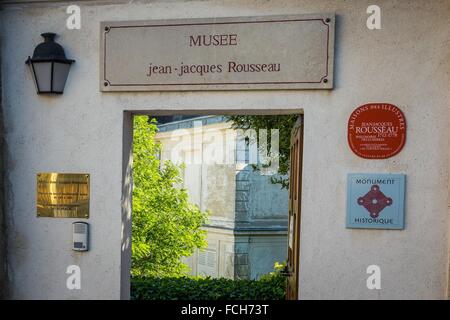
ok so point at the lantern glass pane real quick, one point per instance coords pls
(30, 65)
(43, 74)
(60, 73)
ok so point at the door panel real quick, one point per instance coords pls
(296, 155)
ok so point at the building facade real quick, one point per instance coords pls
(247, 227)
(88, 130)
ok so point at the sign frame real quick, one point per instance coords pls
(107, 84)
(387, 191)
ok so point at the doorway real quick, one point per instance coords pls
(211, 253)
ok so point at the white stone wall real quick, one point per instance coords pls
(405, 63)
(208, 178)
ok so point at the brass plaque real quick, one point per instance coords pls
(62, 195)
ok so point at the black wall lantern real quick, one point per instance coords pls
(49, 66)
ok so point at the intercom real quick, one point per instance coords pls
(80, 236)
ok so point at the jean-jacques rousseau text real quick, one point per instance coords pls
(211, 40)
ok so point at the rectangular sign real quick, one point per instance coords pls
(62, 195)
(244, 53)
(376, 201)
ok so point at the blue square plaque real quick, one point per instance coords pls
(375, 201)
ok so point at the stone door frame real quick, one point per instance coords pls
(127, 162)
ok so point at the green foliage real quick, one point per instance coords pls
(166, 226)
(270, 287)
(278, 271)
(284, 123)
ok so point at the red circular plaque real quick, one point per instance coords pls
(377, 131)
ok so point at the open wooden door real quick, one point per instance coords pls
(295, 184)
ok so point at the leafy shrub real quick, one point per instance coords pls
(166, 225)
(269, 287)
